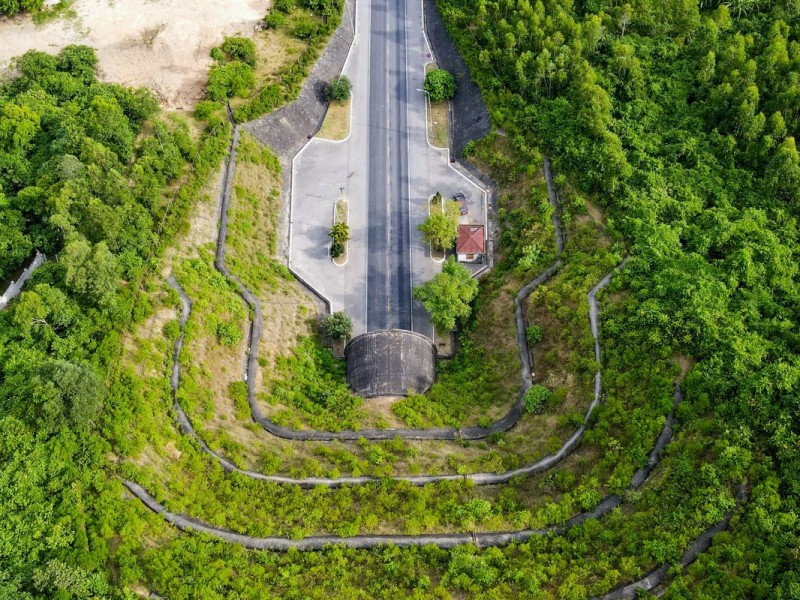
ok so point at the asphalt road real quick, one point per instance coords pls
(386, 169)
(388, 250)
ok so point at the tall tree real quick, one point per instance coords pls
(449, 295)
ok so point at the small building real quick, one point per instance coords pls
(471, 243)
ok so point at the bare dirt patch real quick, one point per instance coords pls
(162, 45)
(685, 363)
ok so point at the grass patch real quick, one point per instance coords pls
(438, 133)
(253, 218)
(62, 10)
(311, 380)
(336, 125)
(302, 35)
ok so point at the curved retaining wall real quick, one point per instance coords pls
(443, 540)
(477, 478)
(658, 575)
(508, 421)
(446, 433)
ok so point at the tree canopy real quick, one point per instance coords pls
(440, 84)
(680, 120)
(338, 89)
(12, 7)
(448, 296)
(440, 229)
(84, 167)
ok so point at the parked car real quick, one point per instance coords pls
(462, 202)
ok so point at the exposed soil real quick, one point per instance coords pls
(685, 363)
(176, 65)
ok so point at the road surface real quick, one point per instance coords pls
(387, 171)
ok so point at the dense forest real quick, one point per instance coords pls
(677, 118)
(84, 169)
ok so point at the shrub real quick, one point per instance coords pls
(284, 6)
(304, 28)
(12, 7)
(338, 90)
(448, 296)
(340, 233)
(205, 109)
(217, 55)
(240, 48)
(536, 399)
(440, 84)
(237, 391)
(337, 326)
(233, 79)
(440, 229)
(229, 334)
(274, 19)
(172, 330)
(534, 334)
(337, 249)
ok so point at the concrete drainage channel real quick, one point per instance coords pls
(478, 478)
(445, 540)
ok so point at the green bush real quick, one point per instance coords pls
(229, 334)
(237, 391)
(440, 229)
(274, 19)
(337, 249)
(232, 79)
(340, 232)
(205, 109)
(338, 89)
(440, 84)
(304, 28)
(284, 6)
(337, 326)
(448, 296)
(217, 54)
(534, 334)
(536, 399)
(240, 48)
(12, 7)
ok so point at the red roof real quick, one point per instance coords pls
(470, 239)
